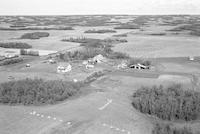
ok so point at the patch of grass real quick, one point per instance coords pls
(100, 31)
(37, 91)
(15, 45)
(35, 35)
(170, 103)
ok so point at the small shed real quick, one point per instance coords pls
(64, 67)
(139, 66)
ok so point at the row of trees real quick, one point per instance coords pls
(11, 61)
(35, 35)
(15, 45)
(169, 103)
(161, 128)
(37, 91)
(29, 52)
(100, 31)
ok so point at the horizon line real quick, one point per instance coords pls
(96, 14)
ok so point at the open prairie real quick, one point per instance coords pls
(61, 79)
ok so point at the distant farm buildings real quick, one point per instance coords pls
(64, 67)
(139, 66)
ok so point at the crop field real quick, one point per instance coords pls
(160, 46)
(94, 86)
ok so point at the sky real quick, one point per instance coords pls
(82, 7)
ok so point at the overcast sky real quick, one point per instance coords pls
(70, 7)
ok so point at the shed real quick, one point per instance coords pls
(64, 67)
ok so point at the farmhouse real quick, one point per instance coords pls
(139, 66)
(64, 67)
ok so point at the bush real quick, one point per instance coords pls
(11, 61)
(35, 35)
(171, 103)
(29, 52)
(101, 31)
(15, 45)
(37, 91)
(167, 129)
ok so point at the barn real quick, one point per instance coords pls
(139, 66)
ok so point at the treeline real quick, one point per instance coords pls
(161, 128)
(37, 91)
(36, 28)
(35, 35)
(15, 45)
(170, 103)
(93, 47)
(11, 61)
(89, 52)
(101, 31)
(127, 26)
(29, 52)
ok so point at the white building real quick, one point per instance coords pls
(64, 67)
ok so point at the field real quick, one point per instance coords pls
(103, 106)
